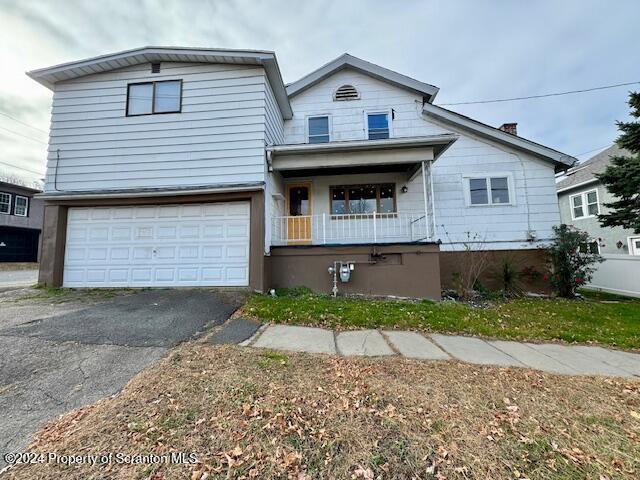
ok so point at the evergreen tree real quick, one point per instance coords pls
(622, 175)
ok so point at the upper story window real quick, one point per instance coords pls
(22, 206)
(154, 97)
(318, 129)
(378, 125)
(5, 203)
(363, 199)
(346, 92)
(488, 190)
(584, 205)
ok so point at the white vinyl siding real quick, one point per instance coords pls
(158, 245)
(533, 204)
(228, 114)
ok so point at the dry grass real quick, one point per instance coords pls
(253, 414)
(10, 266)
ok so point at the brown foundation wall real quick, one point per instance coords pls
(400, 270)
(491, 278)
(55, 229)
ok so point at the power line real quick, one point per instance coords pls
(23, 123)
(23, 136)
(21, 168)
(557, 94)
(589, 151)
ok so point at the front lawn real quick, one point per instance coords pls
(591, 320)
(250, 414)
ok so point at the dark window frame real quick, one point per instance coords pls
(153, 98)
(338, 216)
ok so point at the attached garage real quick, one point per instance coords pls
(203, 244)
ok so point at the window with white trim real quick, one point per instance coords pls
(21, 208)
(5, 203)
(378, 125)
(584, 205)
(489, 190)
(318, 129)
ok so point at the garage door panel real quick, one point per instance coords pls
(181, 245)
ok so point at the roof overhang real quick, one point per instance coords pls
(559, 159)
(395, 154)
(150, 192)
(51, 75)
(575, 185)
(429, 92)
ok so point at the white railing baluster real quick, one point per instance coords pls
(349, 228)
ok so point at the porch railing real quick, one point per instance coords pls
(349, 228)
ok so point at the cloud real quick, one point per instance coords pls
(472, 50)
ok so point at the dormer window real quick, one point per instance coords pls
(318, 129)
(346, 92)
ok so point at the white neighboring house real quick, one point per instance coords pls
(199, 167)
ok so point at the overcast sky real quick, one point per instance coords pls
(472, 50)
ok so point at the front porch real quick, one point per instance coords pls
(346, 193)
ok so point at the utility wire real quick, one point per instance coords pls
(23, 136)
(20, 168)
(589, 151)
(557, 94)
(23, 123)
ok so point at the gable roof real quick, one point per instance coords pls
(51, 75)
(561, 160)
(349, 61)
(585, 172)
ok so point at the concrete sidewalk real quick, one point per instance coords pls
(554, 358)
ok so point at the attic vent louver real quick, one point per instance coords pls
(155, 68)
(346, 92)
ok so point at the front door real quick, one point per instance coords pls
(299, 208)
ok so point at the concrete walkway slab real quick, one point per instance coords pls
(362, 343)
(474, 350)
(532, 358)
(627, 361)
(575, 359)
(297, 339)
(414, 345)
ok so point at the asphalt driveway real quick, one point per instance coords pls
(57, 357)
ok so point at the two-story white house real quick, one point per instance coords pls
(200, 167)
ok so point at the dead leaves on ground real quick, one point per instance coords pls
(361, 419)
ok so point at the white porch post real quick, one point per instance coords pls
(433, 198)
(426, 202)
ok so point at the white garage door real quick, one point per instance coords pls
(158, 245)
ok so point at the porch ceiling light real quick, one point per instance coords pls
(404, 189)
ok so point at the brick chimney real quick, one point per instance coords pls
(511, 128)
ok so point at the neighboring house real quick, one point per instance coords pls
(582, 197)
(20, 223)
(200, 167)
